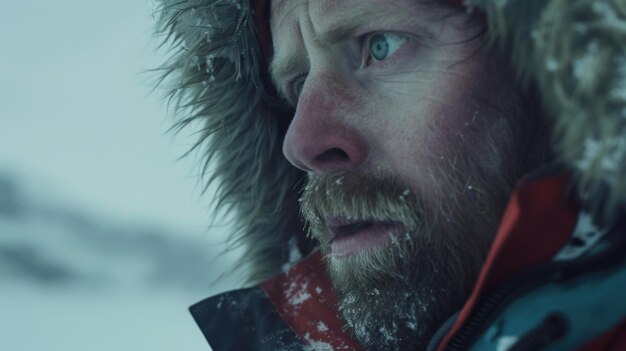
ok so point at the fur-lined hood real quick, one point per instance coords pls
(574, 51)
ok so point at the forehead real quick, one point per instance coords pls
(325, 8)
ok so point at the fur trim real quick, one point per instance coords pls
(576, 52)
(218, 77)
(573, 49)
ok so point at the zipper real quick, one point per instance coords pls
(607, 254)
(487, 309)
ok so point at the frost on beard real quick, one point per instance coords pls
(390, 321)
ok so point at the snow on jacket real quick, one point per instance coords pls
(548, 252)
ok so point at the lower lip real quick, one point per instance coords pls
(377, 235)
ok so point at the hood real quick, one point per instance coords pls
(573, 51)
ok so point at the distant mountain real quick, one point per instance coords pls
(44, 241)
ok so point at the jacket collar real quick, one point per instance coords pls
(537, 223)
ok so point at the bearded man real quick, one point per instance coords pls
(458, 167)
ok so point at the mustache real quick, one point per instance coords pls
(357, 197)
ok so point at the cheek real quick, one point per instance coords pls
(427, 111)
(457, 115)
(422, 129)
(426, 134)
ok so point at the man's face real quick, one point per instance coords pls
(406, 128)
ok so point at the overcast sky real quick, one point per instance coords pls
(76, 110)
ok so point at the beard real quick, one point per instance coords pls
(394, 296)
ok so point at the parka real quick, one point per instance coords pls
(556, 272)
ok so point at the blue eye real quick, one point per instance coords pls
(379, 47)
(383, 45)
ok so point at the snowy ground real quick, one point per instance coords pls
(71, 280)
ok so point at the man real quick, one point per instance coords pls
(405, 125)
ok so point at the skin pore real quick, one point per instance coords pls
(409, 131)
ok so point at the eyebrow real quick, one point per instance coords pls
(343, 29)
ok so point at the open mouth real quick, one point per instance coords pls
(350, 236)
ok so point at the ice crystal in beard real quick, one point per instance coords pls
(388, 322)
(399, 310)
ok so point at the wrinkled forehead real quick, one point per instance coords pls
(324, 8)
(285, 11)
(280, 8)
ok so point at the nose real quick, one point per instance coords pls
(320, 138)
